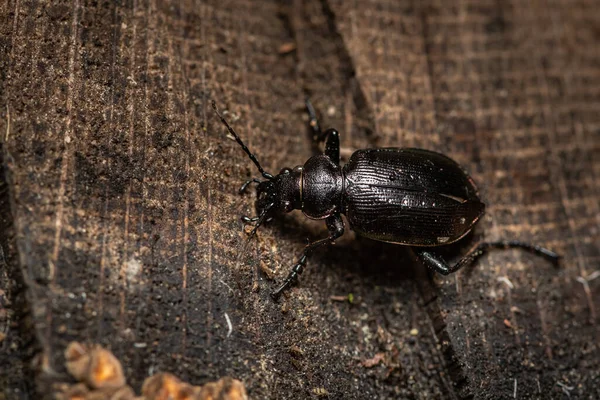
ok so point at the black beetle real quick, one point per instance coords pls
(409, 196)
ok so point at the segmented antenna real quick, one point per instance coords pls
(265, 175)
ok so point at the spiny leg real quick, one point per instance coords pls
(335, 224)
(438, 264)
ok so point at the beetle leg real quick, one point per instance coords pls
(246, 184)
(248, 220)
(438, 264)
(332, 146)
(313, 123)
(332, 137)
(335, 224)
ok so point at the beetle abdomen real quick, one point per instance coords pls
(409, 196)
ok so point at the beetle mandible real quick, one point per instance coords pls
(406, 196)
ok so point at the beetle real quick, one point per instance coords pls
(406, 196)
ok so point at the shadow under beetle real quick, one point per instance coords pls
(406, 196)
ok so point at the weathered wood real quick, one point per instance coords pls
(123, 188)
(510, 90)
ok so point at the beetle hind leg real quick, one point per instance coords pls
(438, 264)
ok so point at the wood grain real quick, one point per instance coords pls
(123, 222)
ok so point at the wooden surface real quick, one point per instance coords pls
(124, 227)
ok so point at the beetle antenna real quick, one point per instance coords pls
(265, 175)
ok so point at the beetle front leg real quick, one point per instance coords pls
(245, 185)
(438, 264)
(335, 224)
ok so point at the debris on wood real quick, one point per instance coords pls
(167, 386)
(264, 268)
(81, 391)
(287, 48)
(373, 361)
(349, 298)
(296, 351)
(95, 366)
(100, 377)
(224, 389)
(320, 392)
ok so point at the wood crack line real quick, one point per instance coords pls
(66, 157)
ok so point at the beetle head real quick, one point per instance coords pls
(281, 194)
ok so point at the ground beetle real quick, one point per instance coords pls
(409, 196)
